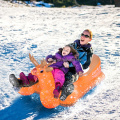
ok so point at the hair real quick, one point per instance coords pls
(91, 35)
(72, 50)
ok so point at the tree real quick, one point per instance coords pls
(76, 3)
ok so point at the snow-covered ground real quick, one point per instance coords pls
(41, 31)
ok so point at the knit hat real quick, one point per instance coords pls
(91, 35)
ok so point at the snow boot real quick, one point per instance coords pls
(24, 79)
(14, 81)
(57, 89)
(66, 91)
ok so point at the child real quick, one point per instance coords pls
(67, 54)
(24, 80)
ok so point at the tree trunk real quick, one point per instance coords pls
(117, 3)
(76, 3)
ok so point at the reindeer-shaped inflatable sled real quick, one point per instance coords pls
(45, 85)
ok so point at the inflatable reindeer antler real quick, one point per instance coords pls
(43, 63)
(33, 60)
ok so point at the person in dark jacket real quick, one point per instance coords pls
(67, 54)
(83, 47)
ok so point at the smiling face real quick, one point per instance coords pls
(65, 51)
(85, 38)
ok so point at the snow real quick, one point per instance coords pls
(41, 31)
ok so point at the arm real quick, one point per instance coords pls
(50, 58)
(89, 56)
(77, 66)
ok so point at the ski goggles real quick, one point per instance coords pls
(86, 36)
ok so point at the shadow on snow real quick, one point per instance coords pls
(24, 107)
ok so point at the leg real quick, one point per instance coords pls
(28, 80)
(68, 86)
(59, 76)
(59, 81)
(57, 89)
(24, 79)
(32, 78)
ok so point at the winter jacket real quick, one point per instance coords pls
(61, 59)
(85, 53)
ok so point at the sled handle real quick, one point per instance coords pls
(94, 62)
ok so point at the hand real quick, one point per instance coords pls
(54, 61)
(50, 60)
(66, 64)
(80, 74)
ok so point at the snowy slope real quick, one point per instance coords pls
(41, 31)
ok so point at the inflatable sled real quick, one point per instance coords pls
(45, 85)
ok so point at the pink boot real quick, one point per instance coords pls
(24, 79)
(57, 89)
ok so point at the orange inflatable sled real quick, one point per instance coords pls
(46, 85)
